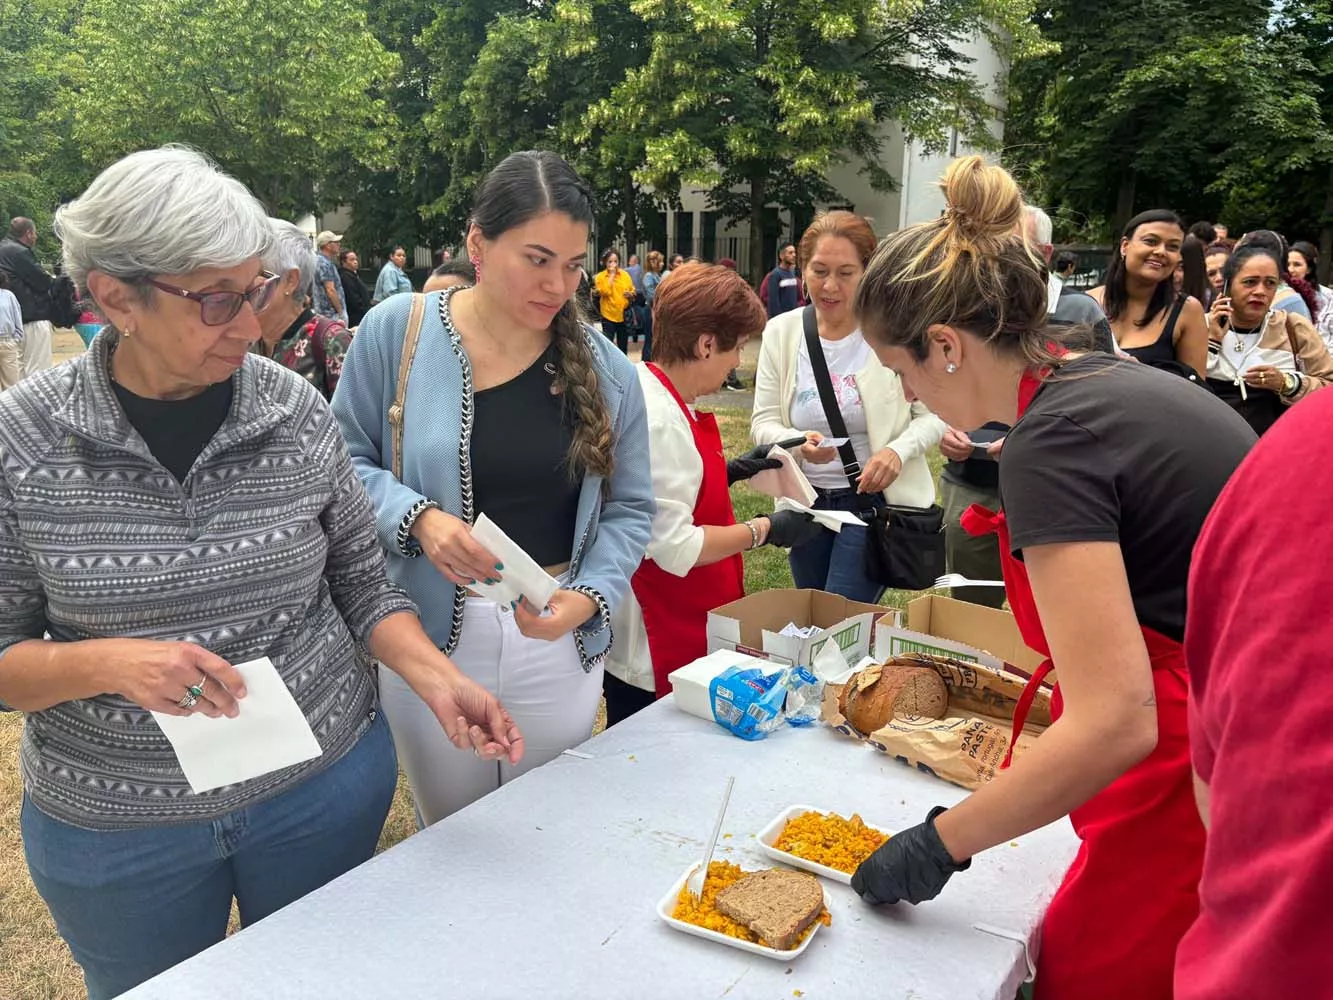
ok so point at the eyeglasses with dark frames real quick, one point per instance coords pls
(217, 308)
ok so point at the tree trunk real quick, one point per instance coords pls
(754, 269)
(631, 217)
(1326, 231)
(1124, 202)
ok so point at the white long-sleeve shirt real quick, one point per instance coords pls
(678, 475)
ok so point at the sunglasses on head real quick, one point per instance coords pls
(217, 308)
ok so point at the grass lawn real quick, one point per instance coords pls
(34, 962)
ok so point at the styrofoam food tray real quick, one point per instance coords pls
(768, 837)
(668, 905)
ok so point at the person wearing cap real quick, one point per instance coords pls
(329, 300)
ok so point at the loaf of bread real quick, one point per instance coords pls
(776, 904)
(881, 692)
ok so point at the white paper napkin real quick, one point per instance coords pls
(521, 576)
(270, 732)
(788, 481)
(834, 520)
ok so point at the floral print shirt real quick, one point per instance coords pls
(314, 348)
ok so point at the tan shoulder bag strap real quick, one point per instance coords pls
(410, 338)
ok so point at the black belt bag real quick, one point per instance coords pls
(904, 545)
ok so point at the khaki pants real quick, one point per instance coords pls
(37, 346)
(974, 558)
(11, 363)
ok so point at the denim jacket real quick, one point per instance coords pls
(612, 526)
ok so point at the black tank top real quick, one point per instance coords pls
(1164, 347)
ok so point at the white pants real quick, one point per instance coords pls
(36, 346)
(546, 691)
(11, 362)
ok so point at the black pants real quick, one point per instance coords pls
(618, 332)
(623, 700)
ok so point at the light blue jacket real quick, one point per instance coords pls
(391, 281)
(611, 528)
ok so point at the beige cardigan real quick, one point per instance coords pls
(910, 430)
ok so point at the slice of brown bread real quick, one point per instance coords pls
(880, 692)
(776, 904)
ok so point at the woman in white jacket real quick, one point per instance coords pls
(889, 435)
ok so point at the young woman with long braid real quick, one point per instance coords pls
(516, 409)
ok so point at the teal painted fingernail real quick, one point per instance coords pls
(499, 567)
(491, 582)
(472, 583)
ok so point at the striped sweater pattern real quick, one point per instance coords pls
(268, 548)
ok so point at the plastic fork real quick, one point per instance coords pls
(952, 580)
(695, 883)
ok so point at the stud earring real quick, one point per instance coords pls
(950, 368)
(476, 265)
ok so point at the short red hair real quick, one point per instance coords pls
(698, 299)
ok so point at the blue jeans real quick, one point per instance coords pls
(833, 561)
(133, 903)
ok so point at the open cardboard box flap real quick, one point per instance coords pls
(752, 624)
(941, 626)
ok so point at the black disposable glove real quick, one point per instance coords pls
(910, 867)
(788, 528)
(750, 464)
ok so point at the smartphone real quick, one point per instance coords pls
(792, 443)
(1223, 319)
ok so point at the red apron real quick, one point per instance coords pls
(1112, 929)
(675, 608)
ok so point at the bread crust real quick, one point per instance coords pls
(777, 904)
(880, 692)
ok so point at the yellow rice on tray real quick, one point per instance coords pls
(704, 913)
(829, 840)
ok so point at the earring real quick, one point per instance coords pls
(950, 368)
(476, 265)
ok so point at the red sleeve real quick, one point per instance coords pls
(1260, 703)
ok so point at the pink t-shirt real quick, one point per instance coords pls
(1257, 641)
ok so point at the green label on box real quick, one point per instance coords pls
(898, 645)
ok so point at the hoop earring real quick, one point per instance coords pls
(476, 266)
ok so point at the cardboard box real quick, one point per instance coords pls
(752, 626)
(941, 626)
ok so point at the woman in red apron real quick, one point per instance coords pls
(702, 316)
(1106, 477)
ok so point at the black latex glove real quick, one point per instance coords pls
(788, 528)
(750, 464)
(911, 866)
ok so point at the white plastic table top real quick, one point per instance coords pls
(547, 888)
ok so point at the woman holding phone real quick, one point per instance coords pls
(1261, 360)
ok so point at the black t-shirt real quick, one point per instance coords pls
(520, 478)
(176, 430)
(1114, 451)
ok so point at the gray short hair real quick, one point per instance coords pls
(291, 249)
(1041, 224)
(160, 211)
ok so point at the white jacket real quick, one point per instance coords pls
(910, 430)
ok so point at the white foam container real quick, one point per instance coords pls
(768, 836)
(667, 906)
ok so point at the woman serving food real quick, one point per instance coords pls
(703, 317)
(1103, 491)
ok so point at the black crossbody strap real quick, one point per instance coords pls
(824, 382)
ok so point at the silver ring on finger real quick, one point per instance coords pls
(189, 699)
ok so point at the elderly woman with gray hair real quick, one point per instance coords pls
(293, 335)
(172, 509)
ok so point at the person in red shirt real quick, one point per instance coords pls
(1261, 696)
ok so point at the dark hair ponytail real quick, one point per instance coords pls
(522, 187)
(1116, 298)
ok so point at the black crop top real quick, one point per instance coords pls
(520, 479)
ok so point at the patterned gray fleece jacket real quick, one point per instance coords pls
(268, 548)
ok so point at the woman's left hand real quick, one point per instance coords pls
(474, 719)
(878, 474)
(569, 609)
(1265, 377)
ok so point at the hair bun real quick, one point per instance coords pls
(982, 201)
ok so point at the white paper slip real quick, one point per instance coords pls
(794, 631)
(269, 732)
(521, 576)
(834, 520)
(788, 481)
(833, 442)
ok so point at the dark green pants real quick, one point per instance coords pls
(975, 558)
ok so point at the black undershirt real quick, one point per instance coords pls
(520, 479)
(177, 430)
